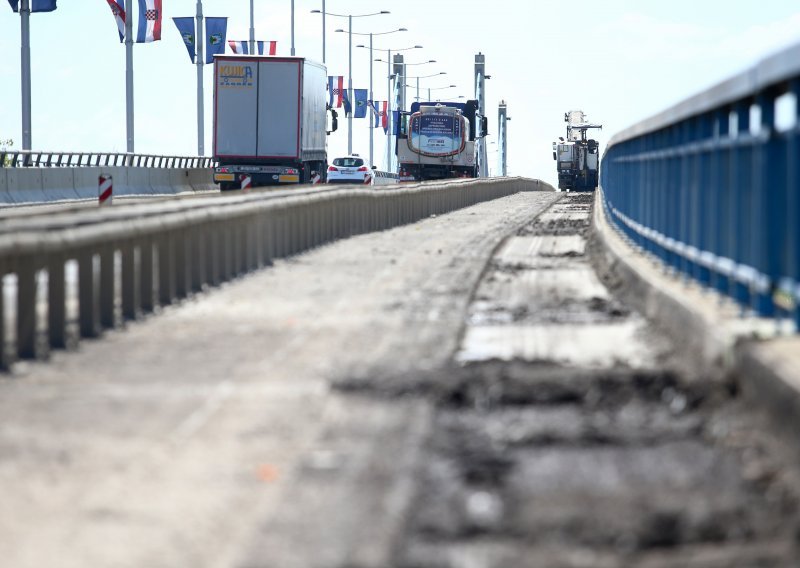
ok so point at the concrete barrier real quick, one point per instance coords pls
(138, 182)
(58, 184)
(25, 185)
(219, 239)
(160, 181)
(179, 180)
(4, 196)
(202, 179)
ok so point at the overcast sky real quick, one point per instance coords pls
(617, 60)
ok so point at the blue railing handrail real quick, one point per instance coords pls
(714, 196)
(48, 159)
(774, 69)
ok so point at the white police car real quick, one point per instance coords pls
(351, 169)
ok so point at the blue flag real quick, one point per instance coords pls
(348, 108)
(186, 28)
(396, 122)
(36, 5)
(216, 30)
(360, 96)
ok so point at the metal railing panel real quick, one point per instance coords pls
(710, 186)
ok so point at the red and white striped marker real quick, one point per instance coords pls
(367, 179)
(315, 178)
(105, 189)
(246, 182)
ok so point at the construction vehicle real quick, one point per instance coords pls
(270, 121)
(577, 158)
(437, 140)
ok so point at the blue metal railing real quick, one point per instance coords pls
(711, 186)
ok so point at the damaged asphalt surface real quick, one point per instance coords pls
(463, 392)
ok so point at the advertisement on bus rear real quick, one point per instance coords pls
(436, 134)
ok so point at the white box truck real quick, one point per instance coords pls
(270, 120)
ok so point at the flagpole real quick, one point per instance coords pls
(25, 17)
(129, 72)
(252, 29)
(389, 107)
(292, 28)
(371, 121)
(350, 88)
(199, 40)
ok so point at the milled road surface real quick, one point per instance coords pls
(570, 439)
(431, 396)
(166, 444)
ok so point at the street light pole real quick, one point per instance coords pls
(129, 75)
(200, 61)
(371, 122)
(292, 27)
(25, 18)
(389, 111)
(323, 31)
(252, 29)
(350, 85)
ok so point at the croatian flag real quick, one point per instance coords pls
(149, 21)
(336, 89)
(385, 116)
(118, 9)
(243, 47)
(36, 5)
(239, 47)
(373, 106)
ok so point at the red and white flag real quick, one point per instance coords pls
(150, 17)
(118, 9)
(335, 91)
(243, 47)
(385, 115)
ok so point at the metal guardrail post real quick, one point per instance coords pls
(88, 297)
(147, 275)
(166, 269)
(183, 264)
(56, 302)
(27, 288)
(107, 287)
(131, 296)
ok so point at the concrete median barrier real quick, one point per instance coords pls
(138, 182)
(25, 185)
(160, 181)
(179, 180)
(221, 239)
(4, 196)
(201, 179)
(58, 184)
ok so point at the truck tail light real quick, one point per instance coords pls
(222, 171)
(333, 169)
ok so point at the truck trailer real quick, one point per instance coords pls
(270, 120)
(436, 140)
